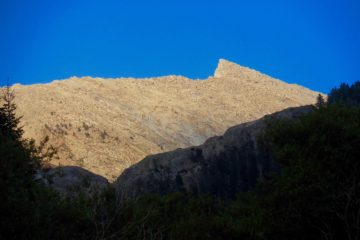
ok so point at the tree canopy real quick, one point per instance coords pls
(345, 94)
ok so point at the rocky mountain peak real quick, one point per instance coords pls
(107, 125)
(227, 69)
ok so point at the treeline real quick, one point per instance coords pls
(316, 196)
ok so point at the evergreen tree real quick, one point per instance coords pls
(320, 101)
(317, 195)
(345, 94)
(9, 122)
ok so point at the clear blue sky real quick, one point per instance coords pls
(315, 43)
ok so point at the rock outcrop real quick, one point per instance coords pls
(223, 165)
(107, 125)
(72, 180)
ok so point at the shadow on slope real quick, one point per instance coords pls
(223, 165)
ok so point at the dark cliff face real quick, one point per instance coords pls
(223, 165)
(72, 180)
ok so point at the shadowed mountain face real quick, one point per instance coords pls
(107, 125)
(72, 180)
(223, 166)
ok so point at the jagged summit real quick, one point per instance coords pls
(231, 70)
(226, 68)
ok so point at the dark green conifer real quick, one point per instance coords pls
(320, 101)
(9, 122)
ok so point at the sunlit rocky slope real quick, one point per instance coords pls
(106, 125)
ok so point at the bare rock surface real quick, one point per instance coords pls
(72, 180)
(223, 165)
(106, 125)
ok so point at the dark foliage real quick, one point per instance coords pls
(320, 101)
(345, 94)
(318, 194)
(9, 122)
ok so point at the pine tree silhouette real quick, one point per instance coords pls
(9, 122)
(320, 101)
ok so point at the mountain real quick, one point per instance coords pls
(223, 165)
(107, 125)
